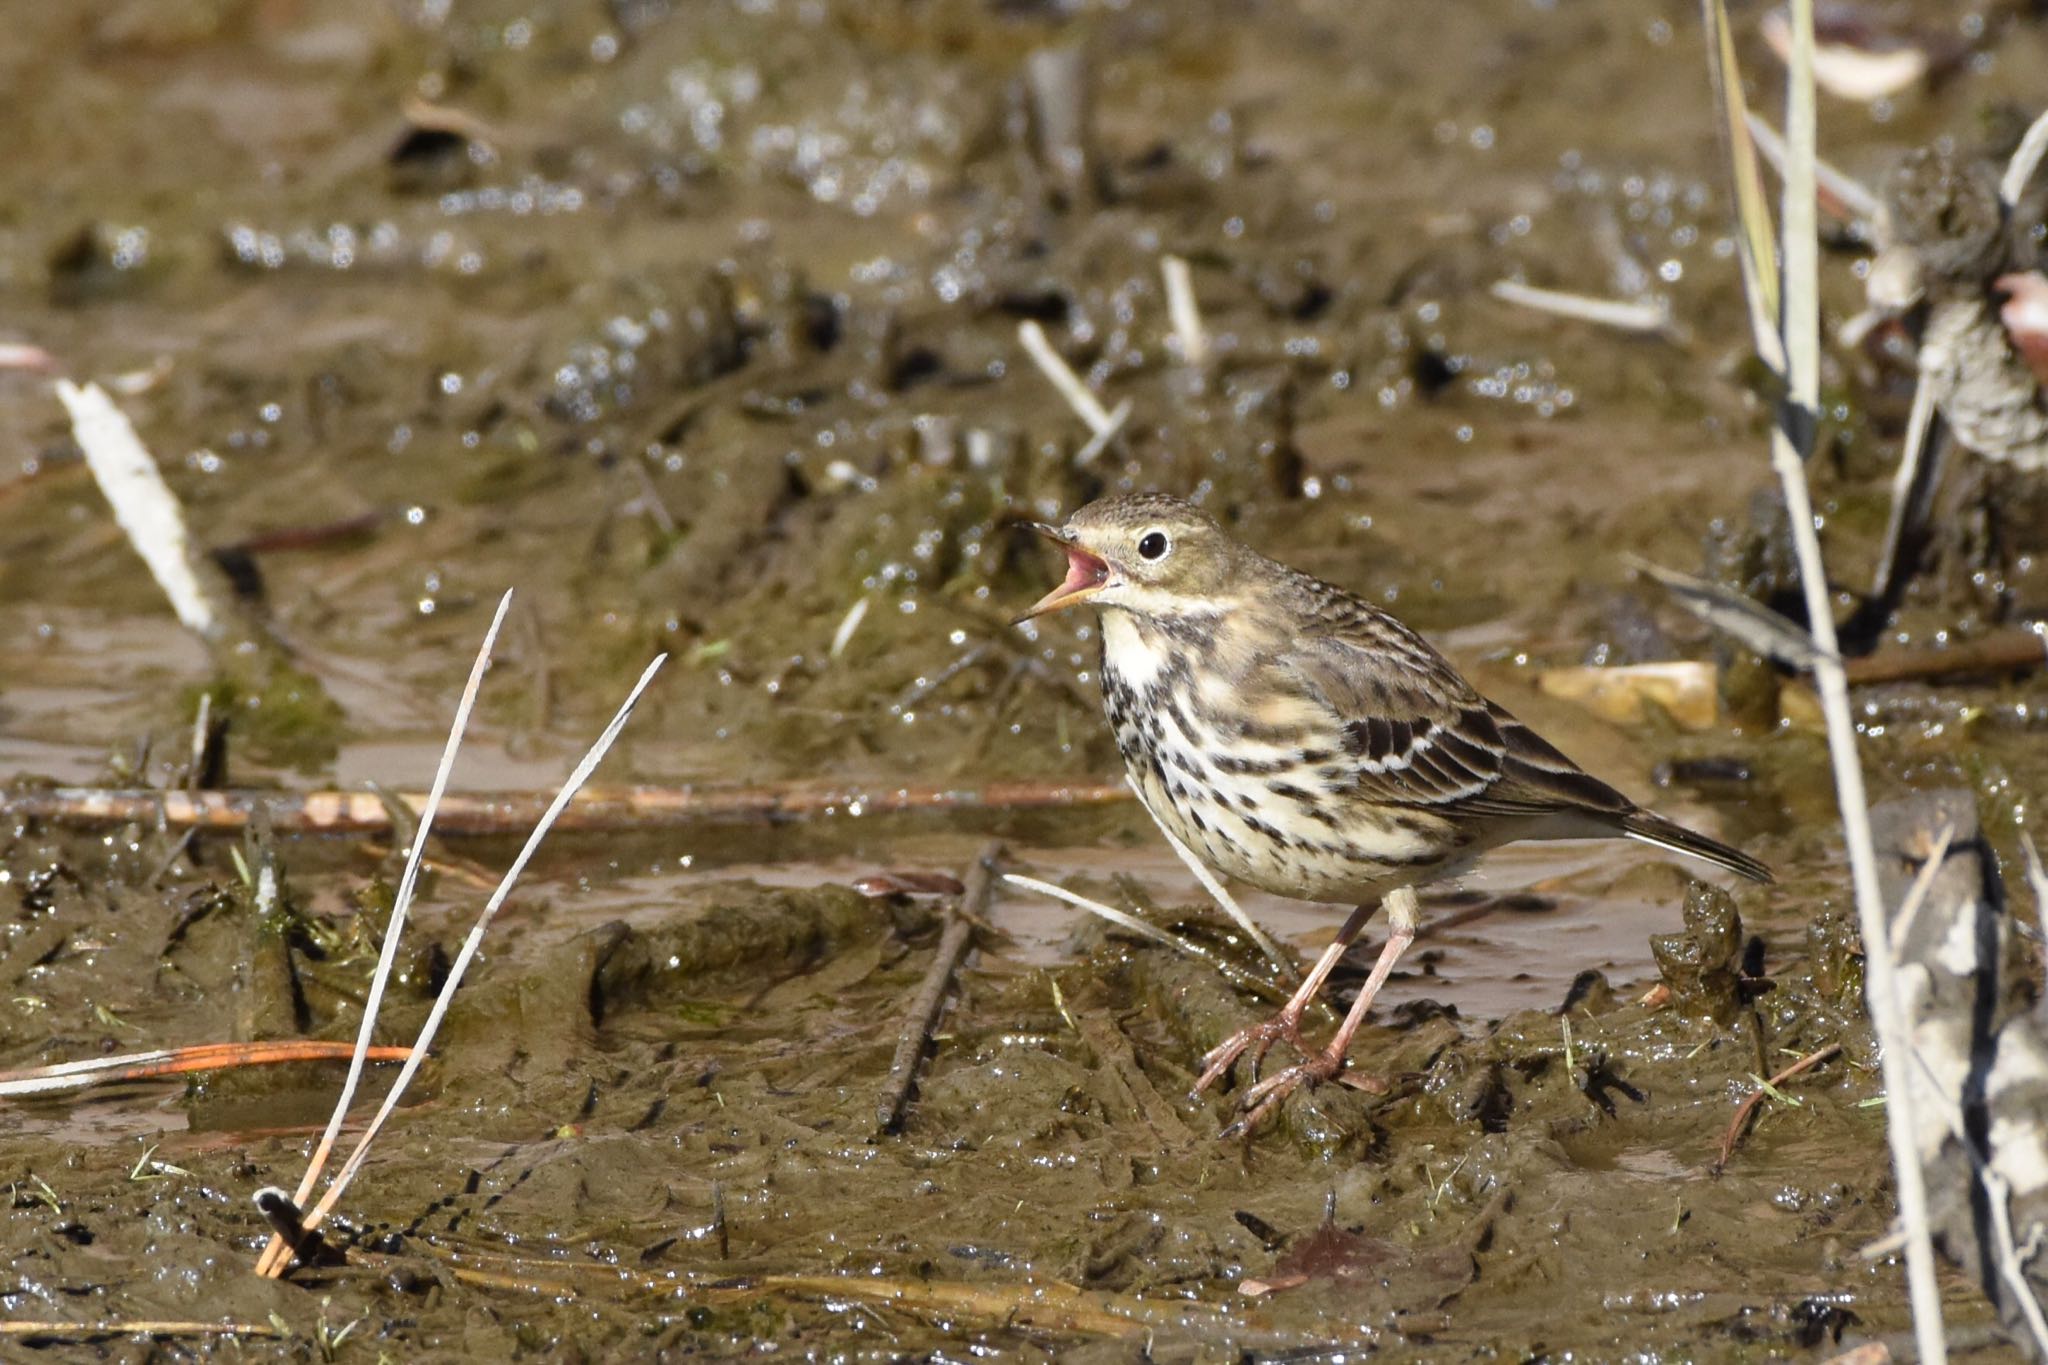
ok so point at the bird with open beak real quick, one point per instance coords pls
(1298, 739)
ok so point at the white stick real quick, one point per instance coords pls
(848, 624)
(1099, 442)
(1856, 196)
(1801, 247)
(1184, 311)
(1651, 318)
(1913, 457)
(2026, 159)
(199, 731)
(1078, 395)
(145, 507)
(1290, 969)
(76, 1075)
(475, 941)
(1109, 912)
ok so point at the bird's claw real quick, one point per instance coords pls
(1263, 1098)
(1216, 1063)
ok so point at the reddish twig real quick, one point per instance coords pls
(1746, 1111)
(2010, 651)
(177, 1061)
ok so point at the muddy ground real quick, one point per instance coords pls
(697, 324)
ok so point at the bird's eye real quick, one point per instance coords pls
(1152, 545)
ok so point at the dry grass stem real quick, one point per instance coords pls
(1078, 395)
(1127, 922)
(1191, 338)
(1755, 249)
(1852, 199)
(2026, 159)
(1289, 965)
(848, 624)
(1923, 882)
(201, 720)
(1646, 317)
(274, 1256)
(472, 943)
(1099, 442)
(1754, 626)
(1913, 486)
(1792, 439)
(1229, 970)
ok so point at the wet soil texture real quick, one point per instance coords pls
(698, 323)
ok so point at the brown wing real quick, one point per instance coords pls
(1416, 734)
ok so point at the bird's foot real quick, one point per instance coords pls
(1268, 1095)
(1217, 1062)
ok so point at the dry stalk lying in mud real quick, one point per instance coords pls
(925, 1007)
(139, 1327)
(1037, 1304)
(1230, 971)
(180, 1061)
(490, 813)
(1746, 1111)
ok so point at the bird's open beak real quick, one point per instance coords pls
(1087, 574)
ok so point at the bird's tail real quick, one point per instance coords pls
(1662, 833)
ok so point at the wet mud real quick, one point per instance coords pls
(698, 325)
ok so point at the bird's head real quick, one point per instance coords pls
(1148, 554)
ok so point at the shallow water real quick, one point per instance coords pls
(709, 337)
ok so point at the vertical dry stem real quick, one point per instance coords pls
(1791, 441)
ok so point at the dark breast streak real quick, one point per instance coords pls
(1250, 800)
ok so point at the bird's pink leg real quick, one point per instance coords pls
(1287, 1023)
(1263, 1098)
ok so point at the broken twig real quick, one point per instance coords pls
(1746, 1111)
(925, 1007)
(492, 813)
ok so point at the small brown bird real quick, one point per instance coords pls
(1303, 741)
